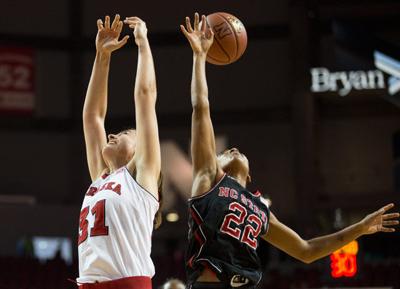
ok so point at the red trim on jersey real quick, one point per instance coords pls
(196, 217)
(190, 263)
(256, 193)
(198, 238)
(104, 176)
(136, 282)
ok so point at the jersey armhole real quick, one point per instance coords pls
(268, 223)
(210, 190)
(136, 182)
(268, 220)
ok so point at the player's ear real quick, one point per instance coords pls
(248, 179)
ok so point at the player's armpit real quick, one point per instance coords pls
(205, 180)
(148, 180)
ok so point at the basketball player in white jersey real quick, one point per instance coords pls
(119, 208)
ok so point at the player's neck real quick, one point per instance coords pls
(114, 165)
(239, 178)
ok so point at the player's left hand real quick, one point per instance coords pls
(139, 29)
(108, 34)
(378, 221)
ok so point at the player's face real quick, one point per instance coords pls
(233, 160)
(121, 145)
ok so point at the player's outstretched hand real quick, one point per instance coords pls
(379, 221)
(139, 29)
(108, 35)
(201, 37)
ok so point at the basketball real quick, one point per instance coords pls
(230, 38)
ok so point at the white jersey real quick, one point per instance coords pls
(115, 228)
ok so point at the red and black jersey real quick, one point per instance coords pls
(225, 228)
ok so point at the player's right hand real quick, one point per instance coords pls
(108, 35)
(139, 29)
(201, 37)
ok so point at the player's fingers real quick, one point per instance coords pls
(210, 34)
(184, 31)
(119, 27)
(382, 210)
(387, 230)
(196, 21)
(203, 23)
(390, 216)
(134, 18)
(107, 22)
(131, 21)
(188, 25)
(115, 22)
(390, 223)
(123, 41)
(388, 207)
(100, 24)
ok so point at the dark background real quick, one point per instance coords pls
(312, 154)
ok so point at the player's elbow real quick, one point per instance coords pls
(306, 255)
(307, 260)
(90, 117)
(200, 105)
(146, 92)
(93, 111)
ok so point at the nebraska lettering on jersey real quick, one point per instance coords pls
(110, 186)
(227, 192)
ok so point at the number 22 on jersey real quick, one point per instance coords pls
(99, 227)
(232, 222)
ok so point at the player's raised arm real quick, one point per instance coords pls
(308, 251)
(147, 158)
(95, 107)
(205, 168)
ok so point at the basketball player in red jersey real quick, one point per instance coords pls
(226, 221)
(119, 208)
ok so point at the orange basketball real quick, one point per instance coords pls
(230, 38)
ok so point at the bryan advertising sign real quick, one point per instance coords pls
(17, 92)
(343, 82)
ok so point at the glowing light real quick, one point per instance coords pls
(350, 248)
(344, 261)
(172, 217)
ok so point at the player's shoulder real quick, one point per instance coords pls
(205, 183)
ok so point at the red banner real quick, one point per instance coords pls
(17, 89)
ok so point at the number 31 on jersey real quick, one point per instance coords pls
(99, 227)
